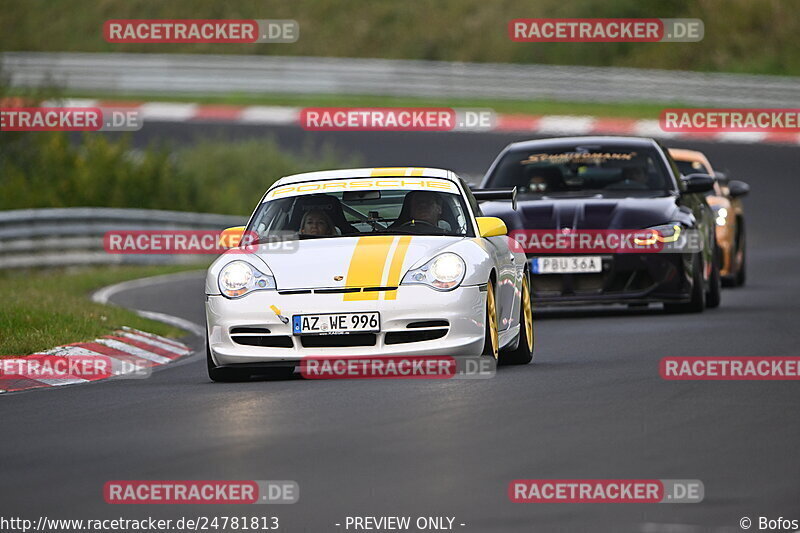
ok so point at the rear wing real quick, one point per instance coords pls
(483, 195)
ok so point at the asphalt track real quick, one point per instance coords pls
(591, 406)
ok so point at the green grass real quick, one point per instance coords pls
(42, 309)
(754, 36)
(530, 107)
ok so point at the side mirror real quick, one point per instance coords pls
(231, 237)
(738, 188)
(491, 226)
(698, 183)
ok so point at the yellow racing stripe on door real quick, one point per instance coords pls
(396, 267)
(367, 265)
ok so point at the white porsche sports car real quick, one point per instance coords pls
(374, 262)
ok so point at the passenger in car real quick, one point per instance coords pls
(316, 222)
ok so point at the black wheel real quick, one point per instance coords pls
(714, 293)
(698, 302)
(741, 272)
(523, 353)
(222, 375)
(491, 340)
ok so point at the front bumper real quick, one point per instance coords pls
(461, 309)
(625, 279)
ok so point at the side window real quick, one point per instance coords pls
(473, 203)
(675, 171)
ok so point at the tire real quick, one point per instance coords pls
(714, 294)
(741, 272)
(223, 375)
(491, 339)
(523, 353)
(698, 302)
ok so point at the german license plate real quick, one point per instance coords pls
(336, 323)
(581, 264)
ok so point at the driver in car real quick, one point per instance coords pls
(632, 178)
(424, 212)
(426, 207)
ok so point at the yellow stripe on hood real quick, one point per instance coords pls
(370, 261)
(396, 268)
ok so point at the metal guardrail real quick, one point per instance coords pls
(74, 236)
(215, 74)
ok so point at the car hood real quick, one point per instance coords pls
(372, 261)
(595, 212)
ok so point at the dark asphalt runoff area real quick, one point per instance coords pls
(592, 405)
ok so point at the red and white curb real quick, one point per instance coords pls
(137, 349)
(505, 123)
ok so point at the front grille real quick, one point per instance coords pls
(633, 280)
(267, 341)
(336, 290)
(401, 337)
(338, 341)
(250, 329)
(429, 324)
(617, 281)
(588, 282)
(547, 285)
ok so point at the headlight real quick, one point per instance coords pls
(721, 216)
(661, 233)
(240, 277)
(444, 272)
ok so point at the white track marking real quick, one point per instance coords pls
(134, 350)
(270, 115)
(157, 343)
(169, 112)
(65, 381)
(566, 124)
(103, 295)
(135, 331)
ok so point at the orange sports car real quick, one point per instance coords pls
(726, 201)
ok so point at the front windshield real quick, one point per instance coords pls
(581, 169)
(423, 210)
(691, 167)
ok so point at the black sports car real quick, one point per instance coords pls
(622, 184)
